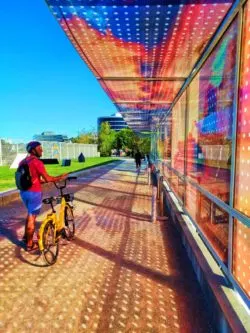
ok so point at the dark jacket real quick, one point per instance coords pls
(138, 156)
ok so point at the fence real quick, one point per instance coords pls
(59, 150)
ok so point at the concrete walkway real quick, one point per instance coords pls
(122, 273)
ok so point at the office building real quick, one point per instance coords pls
(115, 121)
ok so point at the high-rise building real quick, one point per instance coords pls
(115, 121)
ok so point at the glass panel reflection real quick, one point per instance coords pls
(213, 221)
(242, 175)
(210, 106)
(178, 134)
(167, 130)
(241, 255)
(167, 153)
(166, 170)
(178, 185)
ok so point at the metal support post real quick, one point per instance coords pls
(154, 202)
(149, 175)
(160, 195)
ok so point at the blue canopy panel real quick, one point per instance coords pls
(142, 112)
(140, 50)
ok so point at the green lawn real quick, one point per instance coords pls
(7, 180)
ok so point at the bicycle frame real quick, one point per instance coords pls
(57, 220)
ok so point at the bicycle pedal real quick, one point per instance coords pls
(63, 234)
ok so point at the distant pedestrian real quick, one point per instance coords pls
(138, 157)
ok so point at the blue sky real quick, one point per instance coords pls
(44, 83)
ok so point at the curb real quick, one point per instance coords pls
(8, 196)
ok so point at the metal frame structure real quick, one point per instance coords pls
(236, 12)
(145, 104)
(155, 55)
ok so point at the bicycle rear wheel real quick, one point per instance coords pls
(69, 229)
(50, 244)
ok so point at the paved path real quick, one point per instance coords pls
(122, 273)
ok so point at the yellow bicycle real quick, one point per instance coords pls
(56, 225)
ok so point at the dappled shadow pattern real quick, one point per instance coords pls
(122, 273)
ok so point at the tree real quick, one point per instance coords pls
(128, 141)
(144, 145)
(106, 139)
(125, 139)
(86, 137)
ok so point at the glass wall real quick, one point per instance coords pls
(241, 255)
(205, 164)
(209, 140)
(212, 220)
(242, 180)
(178, 147)
(210, 114)
(167, 129)
(241, 241)
(178, 134)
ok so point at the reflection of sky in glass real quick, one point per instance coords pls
(210, 114)
(216, 122)
(216, 93)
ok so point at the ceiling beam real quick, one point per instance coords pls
(141, 79)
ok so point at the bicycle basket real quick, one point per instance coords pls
(68, 197)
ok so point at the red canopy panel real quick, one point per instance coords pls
(142, 91)
(126, 43)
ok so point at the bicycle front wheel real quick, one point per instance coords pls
(50, 244)
(69, 229)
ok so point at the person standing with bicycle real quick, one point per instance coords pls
(32, 196)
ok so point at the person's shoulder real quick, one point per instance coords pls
(32, 159)
(38, 165)
(35, 161)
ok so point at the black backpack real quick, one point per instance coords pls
(23, 176)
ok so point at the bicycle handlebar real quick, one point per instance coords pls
(65, 181)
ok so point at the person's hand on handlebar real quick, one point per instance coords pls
(53, 179)
(66, 176)
(62, 177)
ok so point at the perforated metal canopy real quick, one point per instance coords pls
(141, 51)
